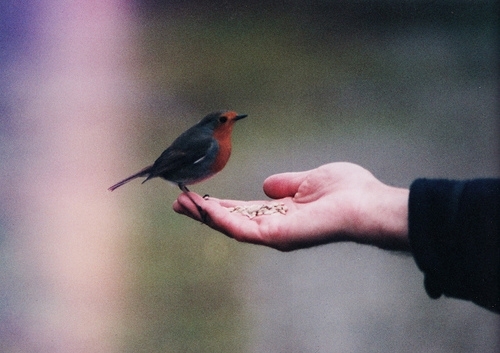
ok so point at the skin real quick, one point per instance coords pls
(335, 202)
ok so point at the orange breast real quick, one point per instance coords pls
(223, 136)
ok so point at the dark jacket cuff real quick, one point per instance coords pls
(453, 231)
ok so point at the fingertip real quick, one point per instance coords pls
(180, 208)
(177, 207)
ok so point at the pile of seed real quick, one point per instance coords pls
(252, 211)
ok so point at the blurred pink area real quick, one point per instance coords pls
(68, 238)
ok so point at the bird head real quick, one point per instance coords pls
(221, 120)
(221, 124)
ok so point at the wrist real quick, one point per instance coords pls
(397, 219)
(386, 221)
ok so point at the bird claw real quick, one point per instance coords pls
(206, 196)
(203, 214)
(204, 217)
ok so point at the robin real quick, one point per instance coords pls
(196, 155)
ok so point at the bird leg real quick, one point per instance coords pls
(201, 211)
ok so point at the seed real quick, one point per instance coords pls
(252, 211)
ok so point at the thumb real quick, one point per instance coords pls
(283, 185)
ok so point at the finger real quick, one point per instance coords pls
(220, 218)
(232, 224)
(179, 208)
(284, 185)
(227, 203)
(184, 205)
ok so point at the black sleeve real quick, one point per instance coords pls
(455, 238)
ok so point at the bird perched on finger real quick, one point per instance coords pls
(196, 155)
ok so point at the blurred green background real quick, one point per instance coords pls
(406, 89)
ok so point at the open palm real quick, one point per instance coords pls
(335, 202)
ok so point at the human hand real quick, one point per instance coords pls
(335, 202)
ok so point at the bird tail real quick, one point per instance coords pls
(141, 173)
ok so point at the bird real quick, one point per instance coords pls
(196, 155)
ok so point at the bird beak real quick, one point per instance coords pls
(238, 117)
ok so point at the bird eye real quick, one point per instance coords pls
(223, 119)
